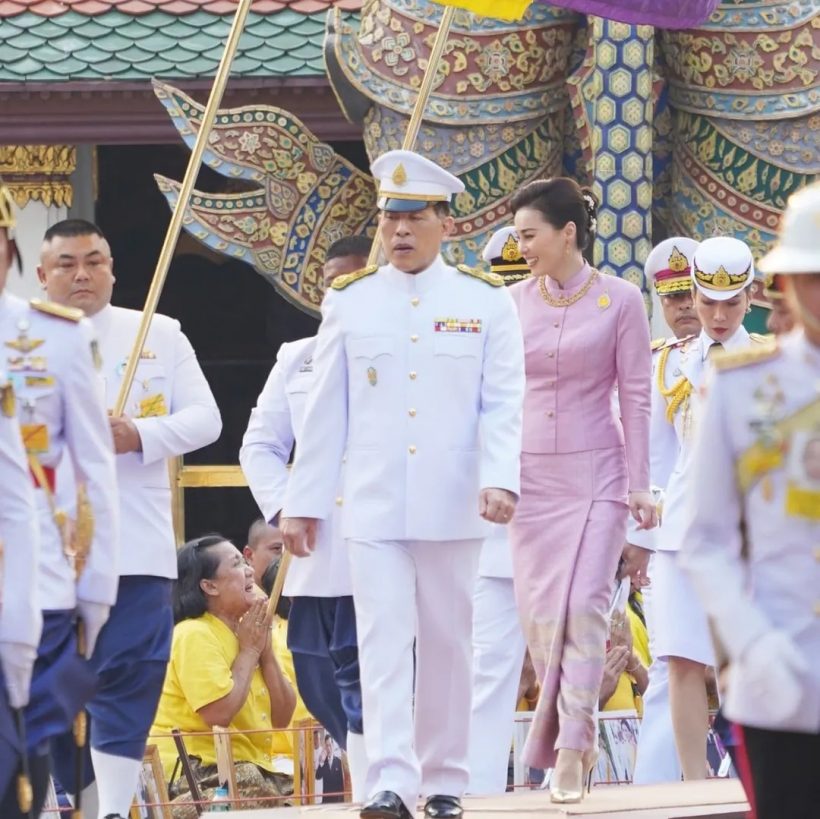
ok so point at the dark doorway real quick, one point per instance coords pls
(234, 318)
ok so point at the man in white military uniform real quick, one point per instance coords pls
(669, 266)
(20, 618)
(321, 622)
(498, 640)
(170, 411)
(752, 547)
(419, 378)
(49, 357)
(722, 272)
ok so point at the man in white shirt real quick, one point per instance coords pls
(321, 622)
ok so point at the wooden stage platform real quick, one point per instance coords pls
(721, 798)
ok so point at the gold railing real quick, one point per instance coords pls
(212, 476)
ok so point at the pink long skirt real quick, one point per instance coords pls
(567, 536)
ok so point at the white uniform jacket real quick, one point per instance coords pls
(20, 617)
(60, 407)
(671, 444)
(777, 495)
(175, 413)
(275, 423)
(420, 379)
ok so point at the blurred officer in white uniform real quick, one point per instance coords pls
(322, 620)
(20, 617)
(498, 640)
(419, 378)
(752, 546)
(669, 266)
(170, 411)
(49, 355)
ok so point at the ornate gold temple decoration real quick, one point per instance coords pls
(39, 173)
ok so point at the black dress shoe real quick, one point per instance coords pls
(385, 805)
(443, 807)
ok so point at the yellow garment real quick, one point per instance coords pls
(282, 744)
(199, 672)
(624, 698)
(500, 9)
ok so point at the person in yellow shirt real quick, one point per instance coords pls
(223, 672)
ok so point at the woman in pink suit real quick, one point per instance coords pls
(583, 470)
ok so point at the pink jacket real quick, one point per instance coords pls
(575, 357)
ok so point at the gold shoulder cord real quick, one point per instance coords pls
(675, 395)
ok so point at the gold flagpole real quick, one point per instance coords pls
(421, 100)
(175, 225)
(409, 141)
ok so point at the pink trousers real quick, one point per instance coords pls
(567, 536)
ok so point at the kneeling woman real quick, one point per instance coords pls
(222, 672)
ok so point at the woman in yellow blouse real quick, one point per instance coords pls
(223, 670)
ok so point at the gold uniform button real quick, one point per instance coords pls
(817, 608)
(414, 338)
(413, 375)
(415, 301)
(411, 449)
(339, 501)
(411, 412)
(817, 553)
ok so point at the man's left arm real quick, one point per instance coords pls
(502, 398)
(193, 420)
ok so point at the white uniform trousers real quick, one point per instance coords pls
(656, 760)
(498, 655)
(680, 624)
(423, 591)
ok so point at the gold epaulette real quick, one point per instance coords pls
(763, 351)
(762, 338)
(657, 343)
(340, 282)
(51, 308)
(671, 343)
(491, 278)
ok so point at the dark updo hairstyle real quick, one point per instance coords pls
(196, 561)
(561, 200)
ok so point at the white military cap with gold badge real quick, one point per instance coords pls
(722, 267)
(504, 256)
(410, 182)
(669, 265)
(797, 249)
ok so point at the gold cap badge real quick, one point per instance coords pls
(399, 175)
(677, 261)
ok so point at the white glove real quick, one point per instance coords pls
(17, 660)
(771, 670)
(93, 617)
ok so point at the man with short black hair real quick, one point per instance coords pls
(265, 545)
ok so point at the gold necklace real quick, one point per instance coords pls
(565, 301)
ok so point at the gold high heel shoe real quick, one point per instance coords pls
(567, 796)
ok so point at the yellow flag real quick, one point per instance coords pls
(500, 9)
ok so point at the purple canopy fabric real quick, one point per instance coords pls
(660, 13)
